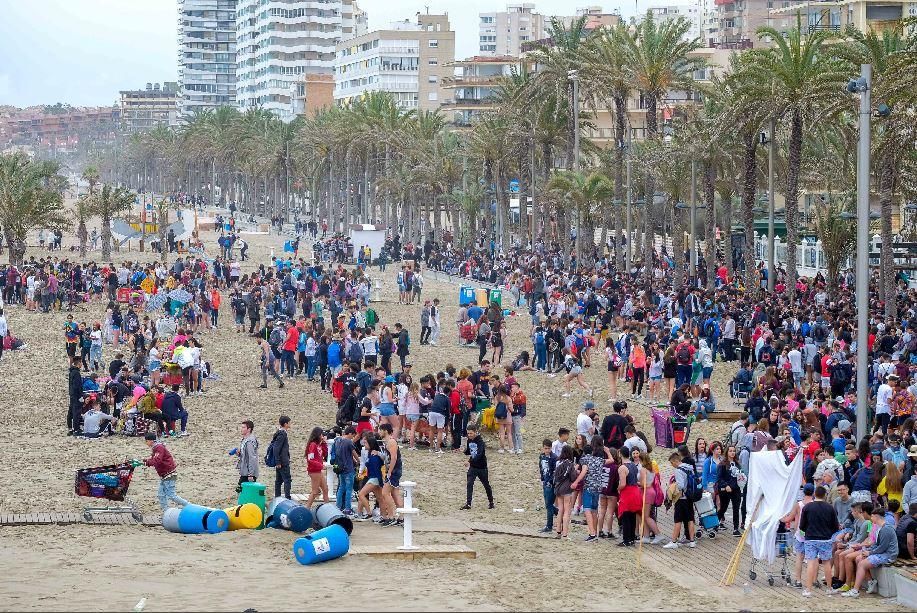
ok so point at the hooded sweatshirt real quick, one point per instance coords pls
(247, 462)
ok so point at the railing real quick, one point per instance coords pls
(816, 27)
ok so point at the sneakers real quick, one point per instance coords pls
(464, 507)
(671, 545)
(736, 532)
(844, 589)
(646, 540)
(656, 540)
(692, 544)
(591, 538)
(184, 433)
(851, 593)
(871, 586)
(500, 450)
(806, 594)
(546, 530)
(490, 506)
(565, 395)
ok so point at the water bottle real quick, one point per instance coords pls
(140, 605)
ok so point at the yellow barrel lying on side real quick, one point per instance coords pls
(244, 516)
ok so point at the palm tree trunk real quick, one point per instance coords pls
(620, 117)
(749, 187)
(81, 234)
(648, 200)
(710, 222)
(792, 200)
(886, 191)
(726, 203)
(106, 236)
(678, 246)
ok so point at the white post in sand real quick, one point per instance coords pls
(331, 480)
(376, 295)
(408, 513)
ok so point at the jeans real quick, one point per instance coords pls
(637, 384)
(345, 491)
(683, 374)
(167, 492)
(269, 366)
(284, 479)
(457, 423)
(310, 367)
(517, 432)
(478, 473)
(425, 334)
(214, 317)
(287, 362)
(550, 509)
(434, 334)
(182, 418)
(729, 353)
(541, 357)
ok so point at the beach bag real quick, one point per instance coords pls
(658, 494)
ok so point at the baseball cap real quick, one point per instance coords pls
(588, 405)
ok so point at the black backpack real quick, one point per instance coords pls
(270, 456)
(355, 354)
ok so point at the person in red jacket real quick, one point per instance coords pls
(316, 454)
(287, 361)
(162, 460)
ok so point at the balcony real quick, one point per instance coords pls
(463, 80)
(467, 103)
(820, 27)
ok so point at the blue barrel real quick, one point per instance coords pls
(466, 295)
(326, 544)
(328, 514)
(195, 519)
(289, 515)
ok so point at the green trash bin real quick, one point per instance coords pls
(481, 403)
(496, 295)
(253, 492)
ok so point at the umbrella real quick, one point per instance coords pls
(181, 295)
(156, 302)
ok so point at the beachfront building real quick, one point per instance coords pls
(671, 12)
(836, 15)
(280, 41)
(311, 93)
(141, 110)
(206, 54)
(47, 132)
(502, 33)
(470, 94)
(410, 60)
(739, 20)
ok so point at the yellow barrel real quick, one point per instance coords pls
(244, 517)
(480, 296)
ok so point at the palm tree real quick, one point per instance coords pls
(31, 197)
(836, 233)
(656, 62)
(586, 193)
(107, 203)
(882, 51)
(799, 79)
(84, 206)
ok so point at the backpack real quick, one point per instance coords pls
(275, 340)
(683, 354)
(355, 354)
(692, 491)
(708, 329)
(819, 334)
(270, 456)
(539, 339)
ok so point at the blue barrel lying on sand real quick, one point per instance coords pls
(326, 544)
(328, 514)
(288, 515)
(195, 519)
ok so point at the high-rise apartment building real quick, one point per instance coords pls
(503, 33)
(671, 12)
(206, 54)
(280, 41)
(739, 21)
(409, 59)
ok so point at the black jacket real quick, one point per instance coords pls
(171, 405)
(281, 448)
(475, 450)
(74, 383)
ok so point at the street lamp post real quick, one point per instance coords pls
(863, 86)
(771, 255)
(630, 199)
(573, 75)
(692, 221)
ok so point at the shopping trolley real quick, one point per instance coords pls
(109, 483)
(784, 551)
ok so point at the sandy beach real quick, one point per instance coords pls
(81, 567)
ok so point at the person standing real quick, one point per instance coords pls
(425, 323)
(281, 444)
(75, 391)
(247, 460)
(403, 344)
(547, 462)
(268, 363)
(345, 455)
(161, 459)
(435, 323)
(477, 467)
(818, 521)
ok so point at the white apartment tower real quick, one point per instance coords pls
(280, 41)
(503, 33)
(670, 12)
(206, 54)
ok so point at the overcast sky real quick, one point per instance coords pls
(83, 52)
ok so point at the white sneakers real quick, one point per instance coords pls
(671, 545)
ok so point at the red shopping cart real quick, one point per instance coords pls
(109, 483)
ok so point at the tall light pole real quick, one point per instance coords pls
(573, 75)
(863, 86)
(692, 263)
(771, 255)
(630, 199)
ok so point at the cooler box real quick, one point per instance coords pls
(496, 295)
(466, 295)
(480, 296)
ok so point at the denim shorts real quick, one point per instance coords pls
(707, 372)
(413, 418)
(386, 409)
(590, 500)
(821, 550)
(879, 559)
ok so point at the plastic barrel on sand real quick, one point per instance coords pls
(170, 519)
(326, 544)
(195, 519)
(253, 492)
(244, 516)
(328, 514)
(289, 515)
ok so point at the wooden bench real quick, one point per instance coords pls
(729, 416)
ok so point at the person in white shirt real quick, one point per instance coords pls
(883, 397)
(435, 322)
(795, 358)
(370, 344)
(584, 421)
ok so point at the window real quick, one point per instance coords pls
(433, 96)
(433, 44)
(433, 61)
(485, 19)
(432, 79)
